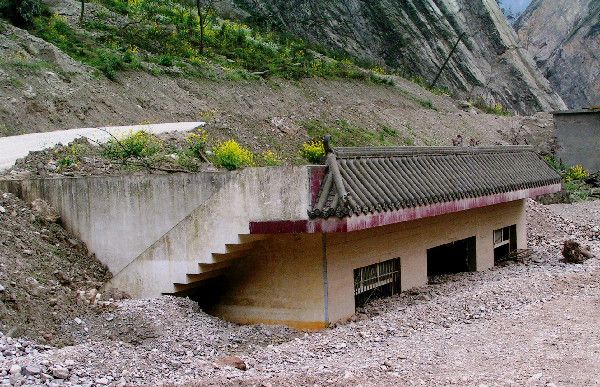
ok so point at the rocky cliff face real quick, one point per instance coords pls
(564, 39)
(417, 36)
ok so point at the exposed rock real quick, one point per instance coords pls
(32, 370)
(417, 36)
(232, 361)
(564, 39)
(15, 369)
(42, 209)
(60, 372)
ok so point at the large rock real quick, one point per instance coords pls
(42, 209)
(416, 36)
(564, 39)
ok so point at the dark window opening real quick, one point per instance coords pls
(454, 257)
(505, 242)
(376, 281)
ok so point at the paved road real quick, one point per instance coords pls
(16, 147)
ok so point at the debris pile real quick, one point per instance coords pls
(41, 269)
(573, 252)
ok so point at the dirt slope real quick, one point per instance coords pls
(42, 268)
(42, 89)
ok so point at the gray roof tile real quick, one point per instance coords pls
(370, 180)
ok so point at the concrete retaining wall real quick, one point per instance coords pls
(118, 217)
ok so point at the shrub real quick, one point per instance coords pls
(556, 164)
(139, 144)
(313, 151)
(269, 158)
(231, 155)
(22, 12)
(577, 173)
(495, 108)
(197, 141)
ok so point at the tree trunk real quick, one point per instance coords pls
(201, 18)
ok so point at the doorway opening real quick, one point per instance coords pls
(376, 281)
(454, 257)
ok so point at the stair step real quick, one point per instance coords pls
(219, 257)
(195, 280)
(208, 267)
(234, 247)
(247, 238)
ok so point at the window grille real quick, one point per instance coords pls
(376, 281)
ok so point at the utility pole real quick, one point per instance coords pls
(447, 59)
(82, 12)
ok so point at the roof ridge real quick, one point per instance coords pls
(355, 152)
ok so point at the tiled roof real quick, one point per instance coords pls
(371, 180)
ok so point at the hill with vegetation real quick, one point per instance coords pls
(148, 61)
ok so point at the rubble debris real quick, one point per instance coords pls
(573, 252)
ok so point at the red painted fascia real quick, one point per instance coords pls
(362, 222)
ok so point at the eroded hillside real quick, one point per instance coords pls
(564, 39)
(45, 89)
(417, 36)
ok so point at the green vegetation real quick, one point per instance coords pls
(231, 155)
(168, 36)
(424, 84)
(345, 134)
(197, 142)
(573, 178)
(269, 158)
(495, 108)
(137, 145)
(313, 151)
(22, 12)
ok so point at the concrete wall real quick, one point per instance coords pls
(254, 194)
(578, 138)
(409, 241)
(281, 282)
(118, 217)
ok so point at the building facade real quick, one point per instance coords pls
(578, 137)
(384, 221)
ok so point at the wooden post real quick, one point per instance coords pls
(447, 60)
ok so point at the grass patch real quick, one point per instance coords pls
(345, 134)
(497, 108)
(163, 36)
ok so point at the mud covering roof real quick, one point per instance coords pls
(371, 180)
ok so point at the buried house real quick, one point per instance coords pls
(305, 246)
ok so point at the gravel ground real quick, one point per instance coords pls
(525, 323)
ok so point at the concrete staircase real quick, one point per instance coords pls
(208, 241)
(221, 262)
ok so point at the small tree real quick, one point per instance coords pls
(202, 8)
(82, 12)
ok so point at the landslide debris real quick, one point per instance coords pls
(42, 269)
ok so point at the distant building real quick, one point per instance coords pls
(578, 137)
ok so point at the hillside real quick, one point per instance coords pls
(564, 39)
(45, 89)
(416, 36)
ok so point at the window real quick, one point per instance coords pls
(376, 281)
(505, 242)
